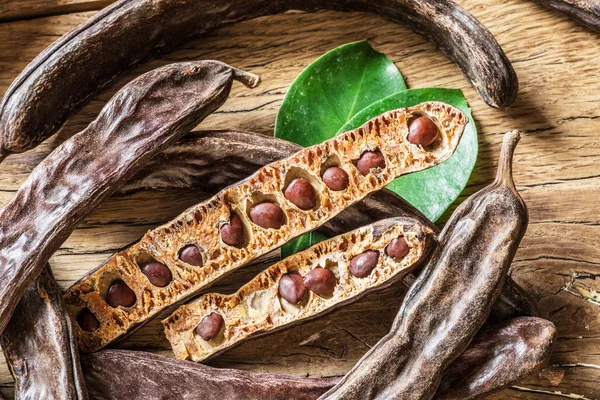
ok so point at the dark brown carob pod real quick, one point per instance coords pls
(141, 120)
(451, 298)
(499, 356)
(71, 70)
(586, 12)
(40, 347)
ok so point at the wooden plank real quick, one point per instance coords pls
(556, 170)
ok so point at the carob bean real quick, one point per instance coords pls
(291, 287)
(408, 362)
(233, 232)
(362, 264)
(191, 254)
(397, 248)
(210, 326)
(320, 281)
(370, 160)
(65, 75)
(40, 346)
(336, 178)
(79, 174)
(267, 216)
(301, 193)
(255, 309)
(422, 131)
(119, 294)
(586, 12)
(157, 273)
(88, 321)
(203, 220)
(498, 357)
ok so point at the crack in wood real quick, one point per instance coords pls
(552, 393)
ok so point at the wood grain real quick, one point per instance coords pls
(556, 169)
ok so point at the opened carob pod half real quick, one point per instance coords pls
(305, 285)
(154, 270)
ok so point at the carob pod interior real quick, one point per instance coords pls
(40, 346)
(498, 356)
(72, 69)
(154, 268)
(141, 120)
(305, 285)
(451, 298)
(586, 12)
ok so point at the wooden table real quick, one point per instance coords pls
(557, 170)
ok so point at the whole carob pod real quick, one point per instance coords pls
(66, 74)
(451, 298)
(177, 260)
(141, 120)
(303, 286)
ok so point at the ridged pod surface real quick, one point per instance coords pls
(451, 298)
(200, 225)
(586, 12)
(258, 308)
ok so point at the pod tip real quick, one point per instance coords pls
(504, 174)
(249, 79)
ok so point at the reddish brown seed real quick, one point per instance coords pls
(397, 247)
(233, 232)
(119, 294)
(157, 273)
(320, 281)
(362, 264)
(291, 287)
(210, 326)
(190, 254)
(422, 131)
(267, 215)
(301, 193)
(88, 321)
(369, 160)
(336, 178)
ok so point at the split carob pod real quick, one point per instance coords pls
(40, 346)
(305, 285)
(451, 298)
(141, 120)
(499, 356)
(586, 12)
(72, 69)
(177, 260)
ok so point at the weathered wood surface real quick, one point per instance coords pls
(557, 170)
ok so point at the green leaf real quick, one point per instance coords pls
(334, 88)
(431, 191)
(302, 242)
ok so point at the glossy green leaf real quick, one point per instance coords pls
(302, 242)
(431, 191)
(334, 88)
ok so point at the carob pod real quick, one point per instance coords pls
(451, 298)
(140, 121)
(201, 225)
(40, 346)
(499, 356)
(66, 74)
(586, 12)
(303, 286)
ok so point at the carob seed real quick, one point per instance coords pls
(362, 264)
(190, 254)
(369, 160)
(291, 287)
(210, 326)
(336, 178)
(88, 321)
(157, 273)
(119, 294)
(267, 216)
(301, 193)
(233, 232)
(397, 247)
(422, 131)
(320, 281)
